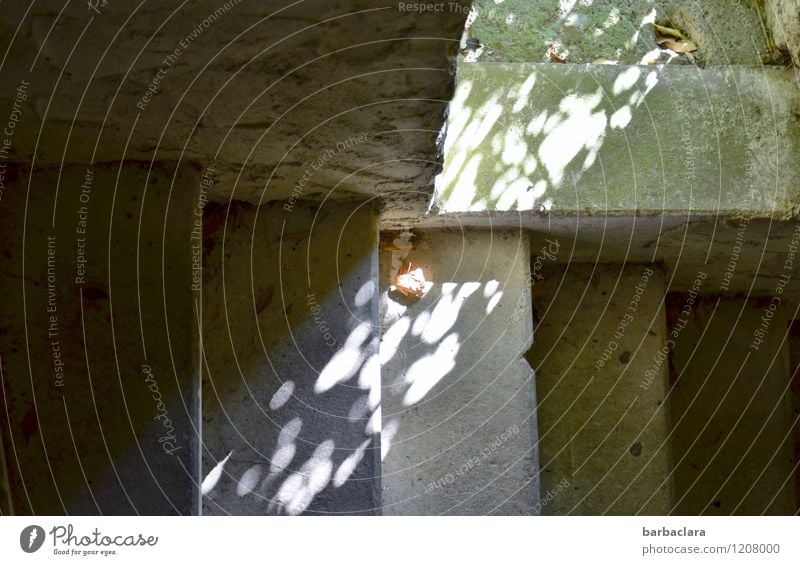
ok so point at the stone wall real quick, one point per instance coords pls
(98, 338)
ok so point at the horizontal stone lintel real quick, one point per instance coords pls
(622, 140)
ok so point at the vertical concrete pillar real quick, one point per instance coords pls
(99, 370)
(459, 418)
(6, 507)
(794, 396)
(603, 426)
(731, 407)
(291, 395)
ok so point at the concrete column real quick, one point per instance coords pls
(99, 366)
(731, 407)
(459, 418)
(6, 508)
(291, 395)
(604, 429)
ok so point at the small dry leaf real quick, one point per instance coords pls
(554, 57)
(670, 32)
(411, 283)
(683, 46)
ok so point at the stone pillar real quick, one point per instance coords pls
(6, 508)
(604, 428)
(459, 417)
(291, 395)
(97, 310)
(731, 407)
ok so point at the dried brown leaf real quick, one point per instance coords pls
(669, 32)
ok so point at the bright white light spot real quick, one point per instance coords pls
(281, 458)
(651, 80)
(214, 475)
(493, 302)
(289, 489)
(445, 313)
(320, 467)
(365, 293)
(349, 465)
(370, 375)
(298, 491)
(428, 371)
(651, 55)
(626, 79)
(289, 431)
(282, 395)
(536, 125)
(374, 424)
(621, 118)
(388, 432)
(523, 94)
(392, 338)
(420, 322)
(339, 369)
(581, 129)
(449, 287)
(514, 148)
(490, 288)
(249, 480)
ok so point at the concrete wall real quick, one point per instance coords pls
(731, 408)
(601, 140)
(459, 417)
(98, 338)
(604, 427)
(291, 392)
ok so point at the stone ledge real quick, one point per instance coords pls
(622, 140)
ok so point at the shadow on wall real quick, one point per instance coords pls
(292, 389)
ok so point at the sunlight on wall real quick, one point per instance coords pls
(426, 343)
(525, 147)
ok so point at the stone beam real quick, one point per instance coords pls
(609, 140)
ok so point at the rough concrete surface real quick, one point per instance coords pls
(603, 421)
(731, 411)
(783, 18)
(291, 391)
(730, 32)
(265, 89)
(98, 336)
(459, 419)
(615, 140)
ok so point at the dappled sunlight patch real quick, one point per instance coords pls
(249, 480)
(388, 431)
(282, 395)
(346, 362)
(392, 338)
(535, 147)
(445, 313)
(297, 492)
(348, 466)
(425, 373)
(213, 476)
